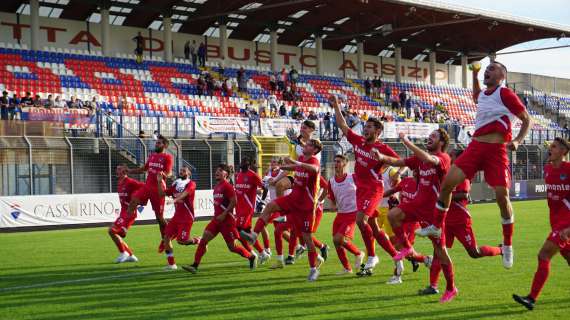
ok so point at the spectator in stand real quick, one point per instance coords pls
(227, 88)
(192, 51)
(282, 80)
(221, 70)
(272, 102)
(327, 124)
(301, 114)
(139, 40)
(293, 76)
(202, 54)
(4, 103)
(312, 115)
(58, 103)
(242, 80)
(377, 87)
(210, 85)
(409, 108)
(201, 85)
(288, 95)
(142, 135)
(388, 95)
(294, 111)
(334, 129)
(367, 87)
(403, 97)
(155, 135)
(91, 106)
(14, 107)
(122, 106)
(37, 101)
(282, 111)
(417, 112)
(272, 82)
(49, 102)
(395, 104)
(27, 100)
(364, 117)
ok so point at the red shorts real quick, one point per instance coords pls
(179, 228)
(318, 217)
(123, 222)
(367, 200)
(243, 222)
(302, 222)
(491, 158)
(463, 233)
(554, 237)
(144, 194)
(280, 227)
(344, 223)
(227, 228)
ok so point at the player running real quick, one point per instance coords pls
(497, 107)
(182, 190)
(126, 186)
(223, 221)
(300, 204)
(458, 225)
(367, 175)
(557, 179)
(247, 184)
(342, 193)
(158, 163)
(431, 167)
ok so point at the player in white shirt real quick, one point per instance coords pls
(342, 193)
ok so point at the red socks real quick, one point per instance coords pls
(343, 258)
(368, 239)
(317, 243)
(539, 278)
(266, 244)
(241, 251)
(434, 272)
(127, 249)
(259, 225)
(200, 252)
(312, 258)
(170, 259)
(121, 247)
(401, 236)
(245, 244)
(278, 241)
(440, 214)
(257, 246)
(418, 258)
(448, 274)
(348, 245)
(508, 230)
(385, 243)
(292, 243)
(488, 251)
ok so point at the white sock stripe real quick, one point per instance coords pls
(438, 207)
(511, 220)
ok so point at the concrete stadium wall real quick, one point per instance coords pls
(526, 81)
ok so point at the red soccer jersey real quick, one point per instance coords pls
(186, 207)
(558, 194)
(407, 189)
(367, 169)
(430, 178)
(125, 189)
(223, 192)
(304, 188)
(246, 192)
(157, 163)
(458, 213)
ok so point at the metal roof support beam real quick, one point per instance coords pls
(319, 49)
(360, 58)
(105, 32)
(167, 25)
(464, 70)
(223, 41)
(432, 61)
(273, 49)
(35, 24)
(398, 58)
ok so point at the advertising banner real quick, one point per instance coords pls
(281, 127)
(211, 125)
(411, 129)
(73, 119)
(51, 210)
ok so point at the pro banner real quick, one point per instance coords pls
(206, 126)
(50, 210)
(411, 129)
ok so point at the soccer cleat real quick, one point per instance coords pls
(394, 280)
(428, 261)
(249, 237)
(264, 257)
(320, 261)
(372, 262)
(171, 267)
(299, 251)
(358, 260)
(399, 267)
(161, 247)
(449, 295)
(196, 240)
(253, 261)
(313, 275)
(132, 258)
(527, 301)
(325, 252)
(123, 256)
(402, 254)
(190, 268)
(277, 265)
(415, 265)
(280, 219)
(343, 272)
(508, 258)
(429, 290)
(290, 260)
(429, 231)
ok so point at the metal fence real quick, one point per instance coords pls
(50, 165)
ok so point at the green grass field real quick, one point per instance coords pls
(69, 274)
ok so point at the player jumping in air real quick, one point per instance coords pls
(497, 107)
(557, 178)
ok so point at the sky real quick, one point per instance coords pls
(549, 62)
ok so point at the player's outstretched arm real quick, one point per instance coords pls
(525, 126)
(340, 120)
(181, 197)
(418, 152)
(294, 163)
(160, 188)
(476, 85)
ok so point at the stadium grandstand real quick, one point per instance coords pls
(91, 85)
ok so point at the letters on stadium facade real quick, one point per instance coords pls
(70, 34)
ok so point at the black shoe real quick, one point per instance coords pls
(290, 260)
(527, 301)
(325, 252)
(253, 261)
(415, 265)
(364, 272)
(299, 252)
(428, 291)
(192, 268)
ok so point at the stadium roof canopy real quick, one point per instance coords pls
(418, 26)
